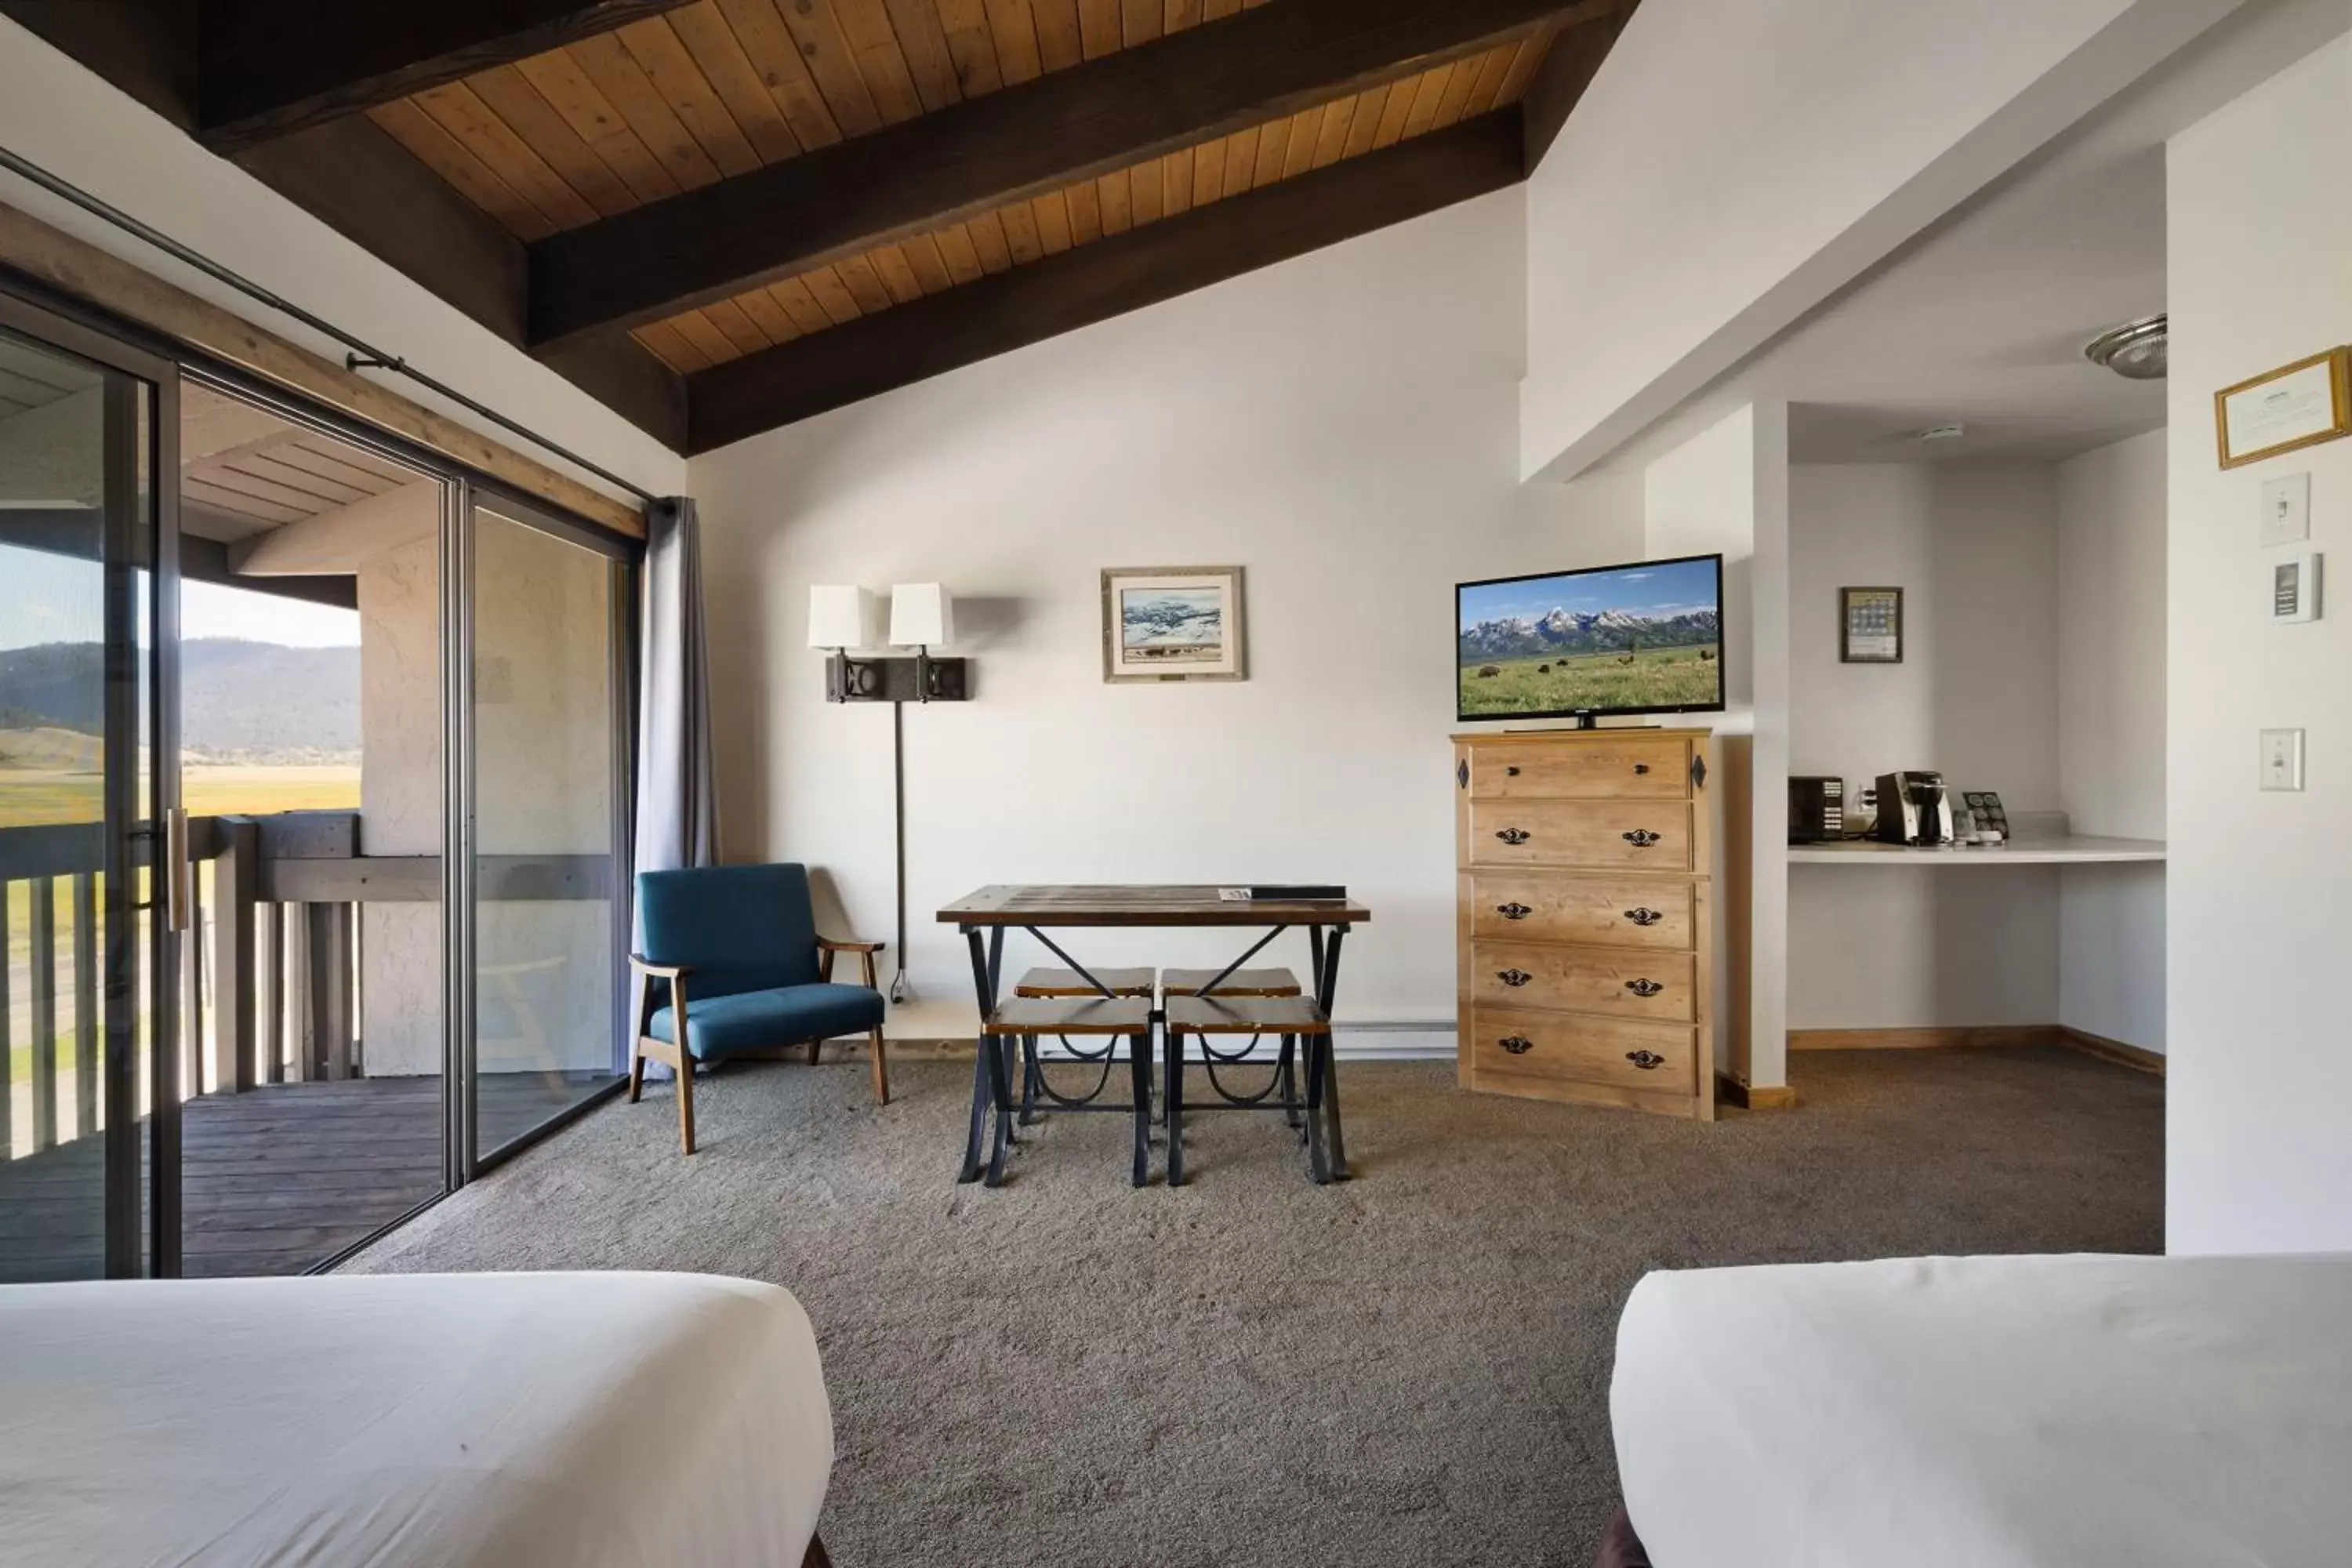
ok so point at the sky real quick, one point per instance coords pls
(1636, 590)
(55, 598)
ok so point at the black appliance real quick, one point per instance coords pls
(1816, 809)
(1914, 809)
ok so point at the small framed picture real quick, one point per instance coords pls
(1870, 626)
(1172, 623)
(2295, 406)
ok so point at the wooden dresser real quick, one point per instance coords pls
(1583, 930)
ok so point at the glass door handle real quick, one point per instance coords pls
(180, 872)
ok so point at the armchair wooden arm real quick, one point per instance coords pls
(827, 947)
(644, 965)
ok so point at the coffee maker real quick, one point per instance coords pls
(1914, 809)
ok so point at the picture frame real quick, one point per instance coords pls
(1163, 624)
(2285, 410)
(1870, 626)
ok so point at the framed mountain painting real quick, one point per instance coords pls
(1172, 623)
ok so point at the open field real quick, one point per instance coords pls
(1649, 679)
(39, 797)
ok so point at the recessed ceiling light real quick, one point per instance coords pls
(2137, 350)
(1944, 433)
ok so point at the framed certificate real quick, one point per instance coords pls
(1870, 626)
(2295, 406)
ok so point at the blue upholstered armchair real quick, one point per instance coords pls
(736, 950)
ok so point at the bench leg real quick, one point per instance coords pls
(1285, 1069)
(1030, 1069)
(1140, 1073)
(998, 1048)
(1331, 1133)
(1175, 1108)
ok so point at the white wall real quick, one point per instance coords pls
(2256, 1152)
(71, 122)
(1974, 546)
(1674, 229)
(1339, 424)
(1726, 490)
(2111, 737)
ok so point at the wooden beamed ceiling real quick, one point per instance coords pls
(721, 215)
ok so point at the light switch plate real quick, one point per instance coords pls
(2283, 758)
(2287, 510)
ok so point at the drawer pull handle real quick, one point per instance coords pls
(1513, 977)
(1513, 835)
(1644, 987)
(1513, 911)
(1641, 767)
(1644, 917)
(1640, 838)
(1511, 772)
(1645, 1060)
(1518, 1045)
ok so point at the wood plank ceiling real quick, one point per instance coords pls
(722, 215)
(717, 88)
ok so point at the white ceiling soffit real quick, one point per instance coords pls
(1981, 319)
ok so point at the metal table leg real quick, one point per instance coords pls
(1327, 990)
(987, 957)
(998, 1049)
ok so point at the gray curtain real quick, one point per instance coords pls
(677, 805)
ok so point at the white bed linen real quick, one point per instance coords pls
(1987, 1412)
(606, 1420)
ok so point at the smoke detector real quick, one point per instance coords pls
(2136, 350)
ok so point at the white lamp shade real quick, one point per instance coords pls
(840, 616)
(922, 614)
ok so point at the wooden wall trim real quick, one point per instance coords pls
(101, 279)
(1754, 1097)
(1094, 282)
(938, 169)
(1978, 1038)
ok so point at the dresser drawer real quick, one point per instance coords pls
(1535, 1053)
(1630, 834)
(1655, 988)
(1639, 767)
(1605, 912)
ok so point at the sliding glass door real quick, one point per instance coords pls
(548, 741)
(87, 818)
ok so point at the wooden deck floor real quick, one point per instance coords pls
(275, 1179)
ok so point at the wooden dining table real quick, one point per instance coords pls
(985, 915)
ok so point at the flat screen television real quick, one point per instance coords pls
(1640, 638)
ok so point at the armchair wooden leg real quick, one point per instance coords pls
(636, 1073)
(881, 1067)
(686, 1101)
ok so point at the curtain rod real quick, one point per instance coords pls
(362, 355)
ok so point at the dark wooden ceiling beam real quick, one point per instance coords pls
(1575, 59)
(269, 67)
(941, 168)
(1094, 282)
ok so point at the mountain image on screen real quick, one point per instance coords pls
(1628, 640)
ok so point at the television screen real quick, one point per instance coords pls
(1643, 638)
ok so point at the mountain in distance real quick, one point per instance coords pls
(1572, 632)
(239, 700)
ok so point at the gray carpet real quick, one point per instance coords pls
(1411, 1368)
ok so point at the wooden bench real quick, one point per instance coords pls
(1294, 1018)
(1240, 983)
(1023, 1018)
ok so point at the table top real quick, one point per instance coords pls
(2074, 849)
(1139, 904)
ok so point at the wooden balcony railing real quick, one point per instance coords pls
(272, 961)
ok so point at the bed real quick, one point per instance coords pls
(604, 1420)
(1989, 1412)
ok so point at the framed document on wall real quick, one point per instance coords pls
(2294, 406)
(1870, 626)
